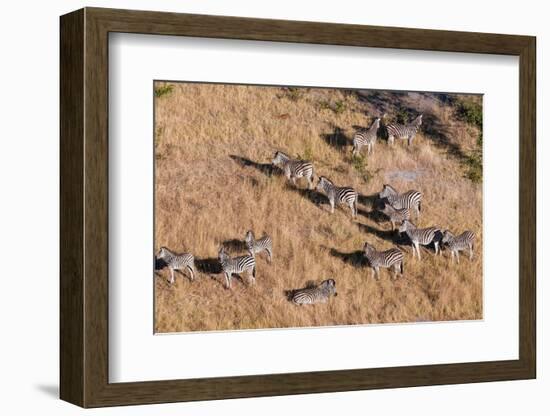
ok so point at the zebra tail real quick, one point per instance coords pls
(402, 267)
(419, 206)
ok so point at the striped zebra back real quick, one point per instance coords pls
(318, 294)
(366, 136)
(255, 246)
(296, 167)
(174, 260)
(409, 199)
(382, 258)
(459, 242)
(423, 236)
(341, 194)
(404, 131)
(236, 264)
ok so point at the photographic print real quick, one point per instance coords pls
(288, 207)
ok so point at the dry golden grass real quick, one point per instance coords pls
(205, 197)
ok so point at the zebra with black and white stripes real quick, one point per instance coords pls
(236, 265)
(404, 131)
(316, 294)
(421, 236)
(388, 258)
(294, 168)
(395, 215)
(176, 261)
(464, 241)
(339, 195)
(411, 199)
(257, 246)
(366, 137)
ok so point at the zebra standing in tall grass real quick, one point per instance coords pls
(366, 138)
(421, 236)
(392, 257)
(458, 243)
(236, 265)
(341, 195)
(294, 168)
(395, 215)
(411, 199)
(315, 294)
(404, 131)
(257, 246)
(176, 261)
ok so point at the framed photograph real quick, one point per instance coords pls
(256, 207)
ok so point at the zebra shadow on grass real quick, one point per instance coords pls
(234, 245)
(337, 139)
(315, 197)
(370, 201)
(355, 258)
(265, 168)
(208, 266)
(388, 235)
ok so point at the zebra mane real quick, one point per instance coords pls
(282, 154)
(324, 178)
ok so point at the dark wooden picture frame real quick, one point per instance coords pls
(84, 207)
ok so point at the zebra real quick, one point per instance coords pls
(294, 169)
(366, 137)
(395, 215)
(236, 265)
(315, 294)
(404, 131)
(340, 195)
(458, 243)
(421, 236)
(176, 261)
(392, 257)
(257, 246)
(409, 199)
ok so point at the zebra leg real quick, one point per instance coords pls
(253, 275)
(293, 180)
(227, 280)
(269, 254)
(332, 206)
(372, 273)
(458, 256)
(418, 250)
(390, 140)
(192, 272)
(310, 184)
(409, 140)
(436, 244)
(471, 251)
(171, 276)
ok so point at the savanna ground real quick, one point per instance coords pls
(214, 181)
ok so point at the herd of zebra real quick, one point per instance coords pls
(397, 207)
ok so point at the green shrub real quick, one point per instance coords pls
(471, 112)
(163, 90)
(474, 166)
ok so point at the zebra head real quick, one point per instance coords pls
(322, 184)
(418, 121)
(406, 225)
(447, 236)
(222, 255)
(329, 286)
(163, 253)
(387, 190)
(368, 248)
(279, 158)
(249, 236)
(376, 123)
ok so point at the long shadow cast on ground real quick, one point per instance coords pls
(265, 168)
